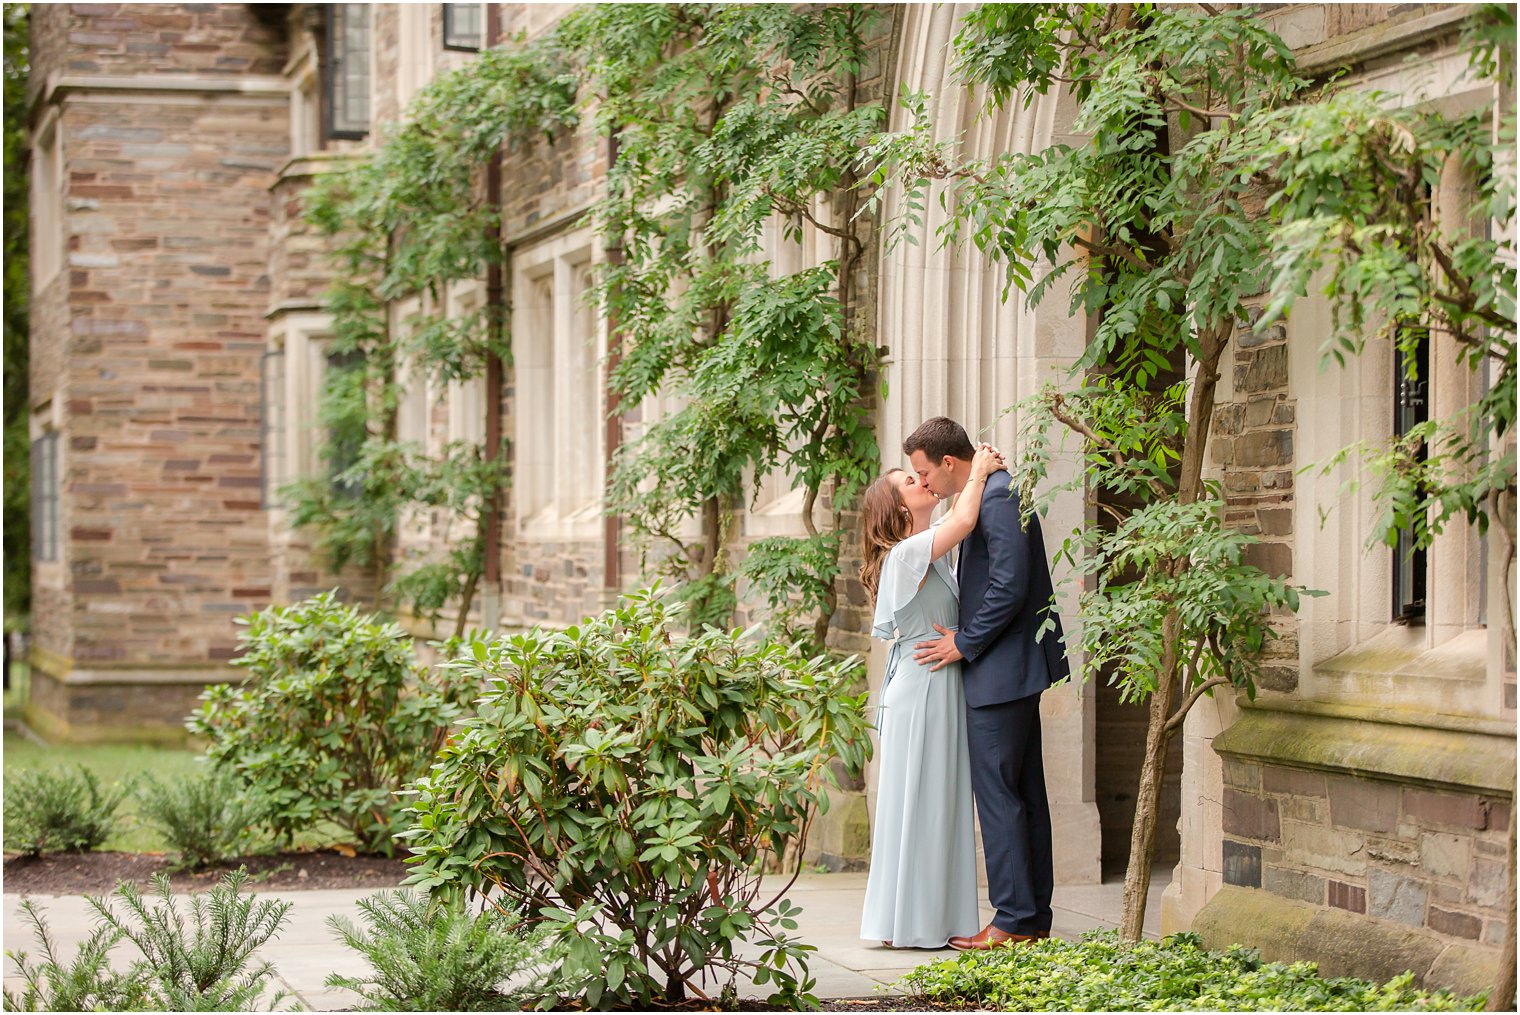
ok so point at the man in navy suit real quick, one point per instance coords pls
(1005, 598)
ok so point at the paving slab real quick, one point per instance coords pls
(307, 951)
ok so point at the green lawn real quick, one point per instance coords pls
(116, 762)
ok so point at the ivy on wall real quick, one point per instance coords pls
(407, 222)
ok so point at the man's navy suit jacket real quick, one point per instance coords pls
(1006, 595)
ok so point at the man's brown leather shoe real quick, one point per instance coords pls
(991, 937)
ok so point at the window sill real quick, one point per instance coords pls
(548, 525)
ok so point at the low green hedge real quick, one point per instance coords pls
(1101, 973)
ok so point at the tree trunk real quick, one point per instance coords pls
(466, 599)
(712, 534)
(1142, 842)
(1142, 845)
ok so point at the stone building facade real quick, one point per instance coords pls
(180, 338)
(157, 131)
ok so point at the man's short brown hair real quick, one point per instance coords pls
(939, 437)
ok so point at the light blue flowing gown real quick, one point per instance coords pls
(921, 890)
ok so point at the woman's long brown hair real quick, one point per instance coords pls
(884, 522)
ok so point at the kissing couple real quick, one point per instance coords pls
(959, 711)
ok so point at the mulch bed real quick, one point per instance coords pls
(98, 873)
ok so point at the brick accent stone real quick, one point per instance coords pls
(1242, 864)
(1250, 817)
(1349, 897)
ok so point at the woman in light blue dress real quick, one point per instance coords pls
(922, 887)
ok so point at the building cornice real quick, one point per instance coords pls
(1381, 40)
(256, 86)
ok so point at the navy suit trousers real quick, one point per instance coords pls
(1008, 778)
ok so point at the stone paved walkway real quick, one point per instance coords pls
(307, 951)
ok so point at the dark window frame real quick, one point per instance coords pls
(334, 32)
(341, 455)
(1411, 407)
(451, 37)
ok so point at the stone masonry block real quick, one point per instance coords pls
(1265, 449)
(1332, 850)
(1392, 897)
(1293, 884)
(1493, 932)
(1451, 810)
(1488, 884)
(1275, 521)
(1293, 782)
(1242, 775)
(1273, 558)
(1249, 338)
(1462, 925)
(1308, 809)
(1259, 410)
(1394, 851)
(1242, 864)
(1228, 419)
(1364, 804)
(1250, 817)
(1282, 679)
(1444, 855)
(1267, 370)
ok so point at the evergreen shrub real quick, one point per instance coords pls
(205, 965)
(1101, 973)
(88, 983)
(58, 810)
(629, 785)
(206, 818)
(335, 717)
(437, 955)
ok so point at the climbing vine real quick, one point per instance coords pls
(726, 119)
(405, 223)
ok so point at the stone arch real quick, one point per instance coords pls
(956, 348)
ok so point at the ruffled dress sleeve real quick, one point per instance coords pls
(901, 574)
